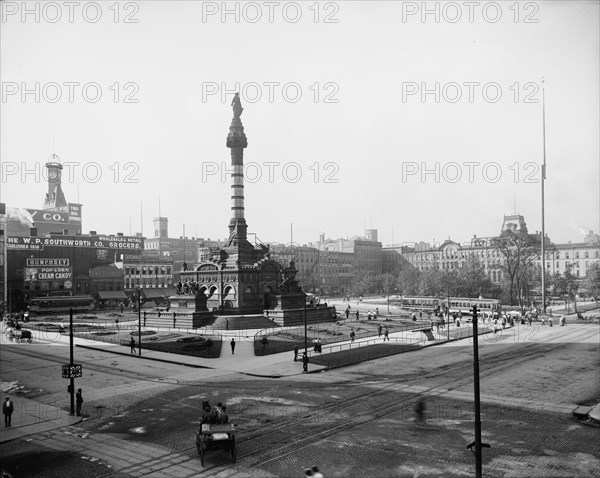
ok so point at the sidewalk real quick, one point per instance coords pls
(31, 417)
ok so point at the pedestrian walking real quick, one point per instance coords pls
(357, 314)
(550, 321)
(305, 362)
(121, 305)
(7, 411)
(420, 411)
(369, 316)
(295, 353)
(132, 345)
(379, 330)
(386, 334)
(352, 335)
(347, 313)
(543, 320)
(232, 343)
(226, 324)
(78, 401)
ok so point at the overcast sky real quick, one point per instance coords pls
(345, 127)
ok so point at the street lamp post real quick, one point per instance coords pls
(305, 333)
(139, 321)
(448, 313)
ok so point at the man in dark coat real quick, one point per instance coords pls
(7, 411)
(78, 401)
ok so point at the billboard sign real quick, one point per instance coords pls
(75, 212)
(94, 242)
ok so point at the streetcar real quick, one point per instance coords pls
(455, 304)
(418, 303)
(465, 305)
(60, 304)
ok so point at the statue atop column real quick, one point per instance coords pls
(237, 106)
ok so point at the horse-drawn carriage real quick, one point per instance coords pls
(216, 437)
(215, 432)
(20, 335)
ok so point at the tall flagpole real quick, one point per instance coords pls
(543, 178)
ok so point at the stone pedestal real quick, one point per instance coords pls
(191, 310)
(290, 309)
(291, 300)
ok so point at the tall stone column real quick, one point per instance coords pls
(236, 141)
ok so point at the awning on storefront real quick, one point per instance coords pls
(157, 293)
(112, 294)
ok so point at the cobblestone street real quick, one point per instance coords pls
(356, 419)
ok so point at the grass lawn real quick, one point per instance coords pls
(171, 342)
(329, 333)
(361, 354)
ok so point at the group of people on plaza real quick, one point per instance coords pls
(371, 314)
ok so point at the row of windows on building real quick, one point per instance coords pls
(141, 270)
(586, 255)
(455, 255)
(148, 283)
(494, 253)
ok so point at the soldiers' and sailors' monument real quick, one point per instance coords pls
(241, 278)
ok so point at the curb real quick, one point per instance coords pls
(176, 362)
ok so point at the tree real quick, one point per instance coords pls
(472, 279)
(592, 280)
(361, 285)
(430, 282)
(572, 285)
(519, 252)
(408, 281)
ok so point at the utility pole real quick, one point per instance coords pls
(477, 443)
(71, 378)
(543, 178)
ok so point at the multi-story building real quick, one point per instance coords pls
(3, 268)
(336, 271)
(451, 255)
(149, 272)
(341, 260)
(578, 256)
(306, 260)
(181, 250)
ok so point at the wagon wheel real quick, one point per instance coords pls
(233, 451)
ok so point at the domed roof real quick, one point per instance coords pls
(53, 158)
